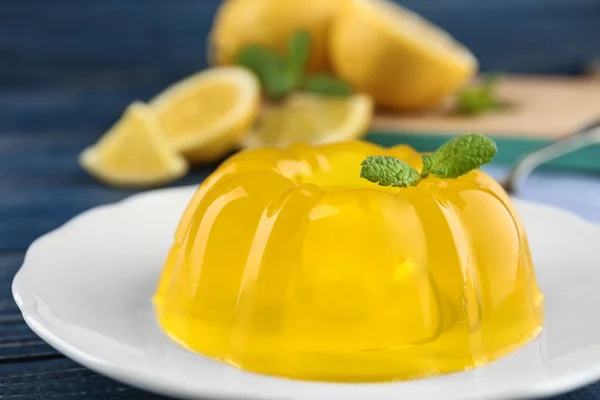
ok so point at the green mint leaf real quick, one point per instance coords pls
(298, 55)
(427, 163)
(259, 59)
(279, 85)
(269, 67)
(470, 102)
(459, 156)
(389, 171)
(326, 85)
(479, 99)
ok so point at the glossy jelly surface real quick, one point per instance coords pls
(287, 263)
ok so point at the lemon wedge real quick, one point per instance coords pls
(133, 152)
(204, 116)
(396, 56)
(312, 119)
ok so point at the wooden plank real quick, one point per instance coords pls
(81, 111)
(542, 107)
(29, 212)
(12, 326)
(61, 378)
(10, 262)
(24, 347)
(16, 338)
(17, 341)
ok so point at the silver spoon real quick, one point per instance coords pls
(584, 137)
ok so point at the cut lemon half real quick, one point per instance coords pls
(312, 119)
(134, 153)
(204, 116)
(396, 56)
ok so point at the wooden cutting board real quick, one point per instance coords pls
(543, 107)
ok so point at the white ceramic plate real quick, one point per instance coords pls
(86, 287)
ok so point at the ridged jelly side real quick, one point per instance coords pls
(287, 263)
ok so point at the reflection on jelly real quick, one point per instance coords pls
(287, 263)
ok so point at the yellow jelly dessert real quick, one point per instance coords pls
(287, 262)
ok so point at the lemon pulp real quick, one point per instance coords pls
(287, 263)
(204, 116)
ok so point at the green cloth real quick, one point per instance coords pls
(510, 150)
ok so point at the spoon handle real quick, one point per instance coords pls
(584, 137)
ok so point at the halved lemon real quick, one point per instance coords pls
(134, 152)
(204, 116)
(312, 119)
(396, 56)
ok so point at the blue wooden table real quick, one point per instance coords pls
(69, 67)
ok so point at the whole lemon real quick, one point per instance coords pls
(271, 23)
(399, 58)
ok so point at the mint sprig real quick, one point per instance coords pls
(281, 74)
(453, 159)
(298, 55)
(269, 67)
(480, 99)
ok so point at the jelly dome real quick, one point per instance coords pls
(287, 263)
